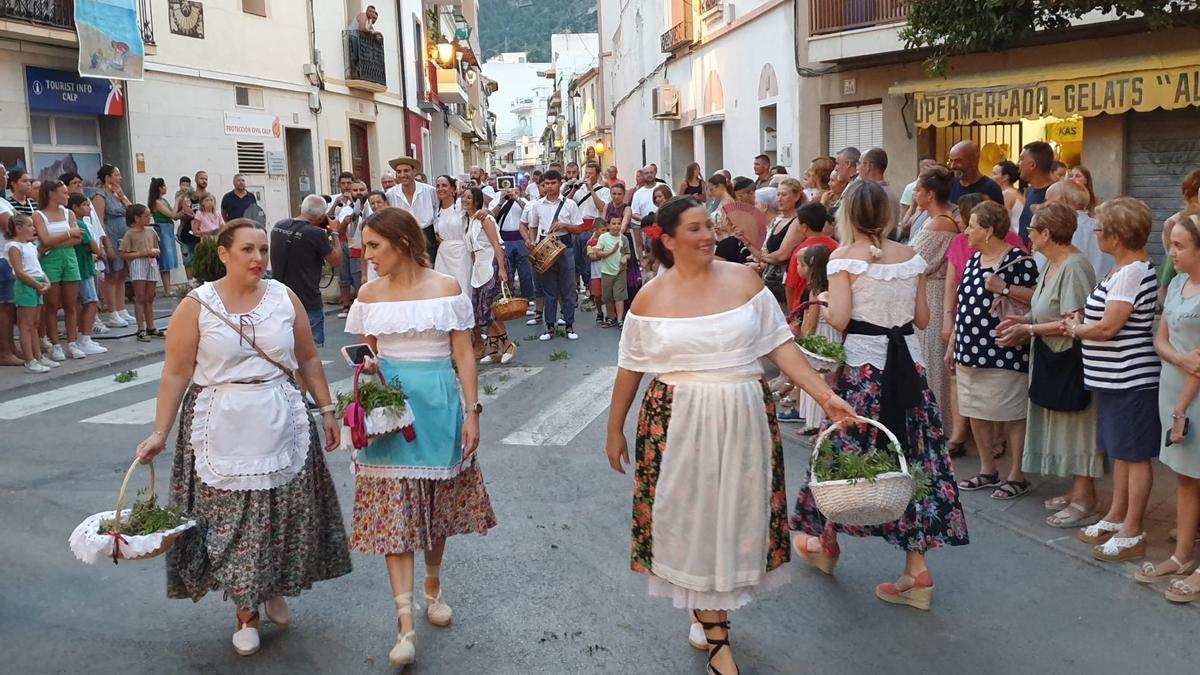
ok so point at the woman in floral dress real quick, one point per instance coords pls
(932, 194)
(710, 504)
(248, 463)
(877, 297)
(414, 494)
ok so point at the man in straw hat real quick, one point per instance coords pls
(419, 199)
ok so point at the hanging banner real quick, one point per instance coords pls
(110, 39)
(60, 91)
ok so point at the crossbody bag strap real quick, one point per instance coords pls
(561, 203)
(286, 371)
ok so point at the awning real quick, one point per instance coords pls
(1167, 81)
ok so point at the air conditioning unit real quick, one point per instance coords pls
(664, 102)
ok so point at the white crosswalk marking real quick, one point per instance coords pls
(569, 415)
(141, 412)
(74, 393)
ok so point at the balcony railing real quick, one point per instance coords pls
(61, 14)
(835, 16)
(680, 35)
(365, 67)
(55, 13)
(707, 6)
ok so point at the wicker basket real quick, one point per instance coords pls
(507, 307)
(862, 501)
(89, 544)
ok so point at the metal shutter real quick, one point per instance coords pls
(1162, 150)
(859, 126)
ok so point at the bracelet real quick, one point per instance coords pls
(156, 432)
(325, 409)
(1031, 330)
(1073, 327)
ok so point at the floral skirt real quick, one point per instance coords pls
(394, 516)
(254, 544)
(710, 503)
(483, 297)
(935, 521)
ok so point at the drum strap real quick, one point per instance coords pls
(562, 201)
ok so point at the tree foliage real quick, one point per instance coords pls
(950, 27)
(526, 25)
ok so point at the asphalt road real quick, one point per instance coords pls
(549, 590)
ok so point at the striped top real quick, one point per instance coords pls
(1127, 361)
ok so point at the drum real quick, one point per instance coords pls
(546, 253)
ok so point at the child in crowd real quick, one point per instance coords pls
(595, 288)
(31, 285)
(614, 252)
(811, 263)
(87, 252)
(207, 220)
(139, 248)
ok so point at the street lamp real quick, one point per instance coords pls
(599, 147)
(445, 52)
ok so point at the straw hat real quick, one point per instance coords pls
(405, 161)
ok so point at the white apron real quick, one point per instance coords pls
(454, 253)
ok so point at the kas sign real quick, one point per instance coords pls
(58, 91)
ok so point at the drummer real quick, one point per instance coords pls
(553, 215)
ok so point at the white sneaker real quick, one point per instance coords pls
(532, 322)
(571, 334)
(126, 316)
(56, 353)
(75, 352)
(48, 363)
(343, 314)
(98, 327)
(35, 367)
(47, 345)
(531, 311)
(560, 322)
(89, 347)
(546, 337)
(112, 320)
(276, 611)
(245, 640)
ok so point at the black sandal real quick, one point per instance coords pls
(1011, 489)
(142, 337)
(979, 481)
(717, 644)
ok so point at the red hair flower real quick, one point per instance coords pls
(654, 232)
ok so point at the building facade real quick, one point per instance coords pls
(703, 81)
(287, 94)
(520, 107)
(1108, 94)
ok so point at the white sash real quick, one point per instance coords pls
(250, 436)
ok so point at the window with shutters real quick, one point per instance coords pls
(859, 126)
(251, 158)
(248, 97)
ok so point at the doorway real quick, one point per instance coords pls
(360, 154)
(683, 153)
(299, 167)
(714, 140)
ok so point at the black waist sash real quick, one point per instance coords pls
(900, 388)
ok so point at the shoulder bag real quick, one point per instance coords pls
(1006, 306)
(1056, 379)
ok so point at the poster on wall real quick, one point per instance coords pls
(110, 39)
(256, 125)
(51, 165)
(12, 158)
(60, 91)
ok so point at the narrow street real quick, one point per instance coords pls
(549, 590)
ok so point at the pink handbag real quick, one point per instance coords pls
(355, 417)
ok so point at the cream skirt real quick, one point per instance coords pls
(992, 394)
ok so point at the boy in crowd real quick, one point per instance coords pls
(87, 252)
(614, 254)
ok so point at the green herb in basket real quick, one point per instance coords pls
(831, 465)
(822, 346)
(145, 517)
(373, 394)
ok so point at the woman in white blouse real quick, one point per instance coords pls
(877, 298)
(710, 505)
(451, 225)
(414, 493)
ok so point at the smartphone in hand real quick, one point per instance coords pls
(356, 354)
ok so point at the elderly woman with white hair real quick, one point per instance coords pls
(1084, 239)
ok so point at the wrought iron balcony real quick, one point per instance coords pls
(680, 35)
(835, 16)
(365, 67)
(54, 13)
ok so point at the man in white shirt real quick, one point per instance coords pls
(1084, 239)
(554, 215)
(532, 191)
(642, 202)
(509, 206)
(593, 198)
(419, 199)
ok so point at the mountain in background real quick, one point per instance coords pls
(526, 25)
